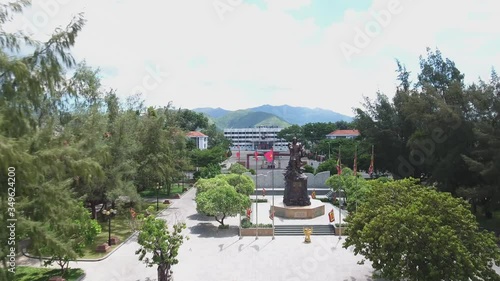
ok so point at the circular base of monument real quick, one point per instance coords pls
(316, 209)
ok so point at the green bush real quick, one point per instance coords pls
(252, 171)
(246, 223)
(258, 200)
(308, 169)
(226, 226)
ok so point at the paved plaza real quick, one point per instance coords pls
(219, 255)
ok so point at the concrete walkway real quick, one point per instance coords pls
(218, 255)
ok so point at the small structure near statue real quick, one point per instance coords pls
(296, 203)
(307, 232)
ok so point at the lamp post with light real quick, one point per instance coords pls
(109, 214)
(158, 187)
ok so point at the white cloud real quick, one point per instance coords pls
(255, 56)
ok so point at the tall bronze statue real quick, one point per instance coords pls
(295, 180)
(296, 152)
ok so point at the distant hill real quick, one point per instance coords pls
(302, 115)
(212, 112)
(282, 115)
(247, 118)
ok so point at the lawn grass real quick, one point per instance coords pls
(120, 227)
(162, 193)
(26, 273)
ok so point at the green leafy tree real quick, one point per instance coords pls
(216, 137)
(308, 169)
(328, 165)
(157, 240)
(237, 168)
(209, 171)
(242, 184)
(203, 185)
(412, 232)
(484, 159)
(205, 157)
(355, 188)
(78, 231)
(221, 202)
(189, 120)
(290, 132)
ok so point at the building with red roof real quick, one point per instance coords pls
(343, 134)
(199, 138)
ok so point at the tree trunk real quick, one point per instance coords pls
(164, 272)
(221, 221)
(92, 207)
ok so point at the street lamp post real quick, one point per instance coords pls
(158, 187)
(109, 213)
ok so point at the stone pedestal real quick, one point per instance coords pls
(316, 209)
(114, 241)
(296, 191)
(103, 248)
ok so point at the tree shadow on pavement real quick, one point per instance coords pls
(206, 230)
(200, 217)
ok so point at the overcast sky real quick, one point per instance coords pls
(237, 54)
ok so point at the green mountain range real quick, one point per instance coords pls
(246, 118)
(270, 115)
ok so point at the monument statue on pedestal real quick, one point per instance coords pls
(295, 180)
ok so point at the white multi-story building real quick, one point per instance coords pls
(257, 138)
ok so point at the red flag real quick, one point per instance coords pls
(263, 192)
(238, 154)
(256, 155)
(331, 216)
(249, 211)
(269, 155)
(271, 214)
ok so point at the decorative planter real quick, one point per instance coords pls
(253, 231)
(103, 248)
(114, 241)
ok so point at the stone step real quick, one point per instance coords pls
(298, 230)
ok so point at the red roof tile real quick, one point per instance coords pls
(195, 134)
(344, 132)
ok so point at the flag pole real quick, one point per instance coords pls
(272, 178)
(356, 173)
(340, 204)
(256, 198)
